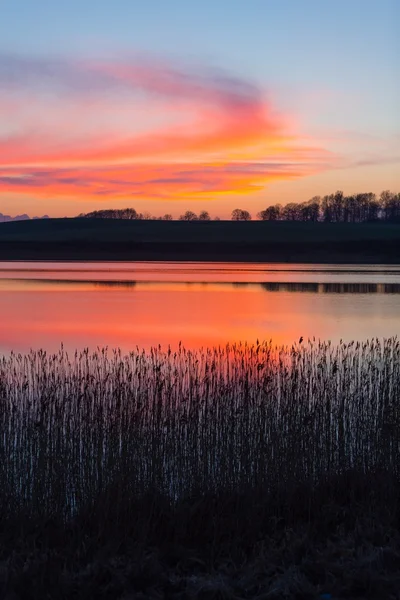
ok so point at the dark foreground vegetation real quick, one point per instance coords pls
(235, 472)
(258, 241)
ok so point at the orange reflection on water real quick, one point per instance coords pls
(45, 312)
(197, 315)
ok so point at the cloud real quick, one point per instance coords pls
(90, 78)
(126, 128)
(156, 181)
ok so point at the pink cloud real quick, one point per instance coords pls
(142, 128)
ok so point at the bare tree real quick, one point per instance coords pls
(188, 216)
(204, 216)
(291, 212)
(390, 206)
(240, 215)
(271, 213)
(113, 213)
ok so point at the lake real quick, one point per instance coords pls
(199, 304)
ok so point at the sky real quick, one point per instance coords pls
(166, 106)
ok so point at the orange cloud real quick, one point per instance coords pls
(141, 130)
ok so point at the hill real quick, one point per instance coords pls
(24, 217)
(259, 241)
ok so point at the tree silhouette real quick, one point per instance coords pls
(271, 213)
(113, 213)
(204, 216)
(291, 212)
(390, 206)
(332, 208)
(240, 215)
(338, 208)
(188, 216)
(310, 211)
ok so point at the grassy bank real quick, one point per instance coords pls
(107, 239)
(235, 472)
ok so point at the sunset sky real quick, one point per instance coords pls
(173, 105)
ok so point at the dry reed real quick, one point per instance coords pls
(227, 419)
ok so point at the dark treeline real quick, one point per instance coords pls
(132, 214)
(333, 208)
(338, 208)
(129, 214)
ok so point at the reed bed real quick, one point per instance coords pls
(186, 423)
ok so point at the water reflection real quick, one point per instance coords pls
(272, 286)
(199, 305)
(334, 288)
(269, 286)
(201, 272)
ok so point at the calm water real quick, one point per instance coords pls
(145, 304)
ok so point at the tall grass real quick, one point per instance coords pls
(186, 423)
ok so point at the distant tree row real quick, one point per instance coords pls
(338, 208)
(132, 214)
(123, 213)
(191, 216)
(334, 208)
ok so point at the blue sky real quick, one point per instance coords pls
(332, 66)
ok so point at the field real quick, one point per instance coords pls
(233, 472)
(107, 239)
